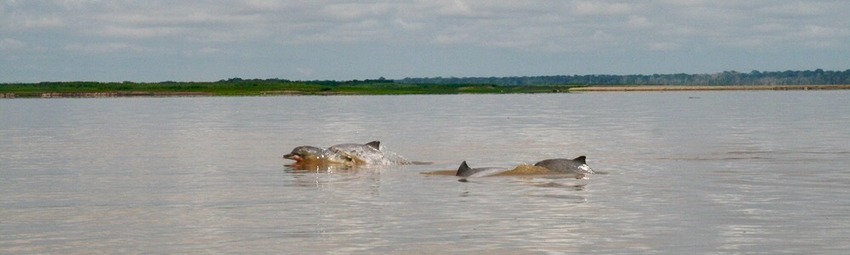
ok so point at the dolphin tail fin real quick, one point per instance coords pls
(464, 170)
(581, 159)
(375, 144)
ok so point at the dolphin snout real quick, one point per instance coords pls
(291, 156)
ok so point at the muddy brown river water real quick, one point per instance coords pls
(693, 172)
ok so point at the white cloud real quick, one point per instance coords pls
(452, 38)
(303, 71)
(663, 46)
(453, 8)
(11, 44)
(798, 9)
(816, 31)
(638, 22)
(203, 51)
(592, 8)
(104, 48)
(355, 11)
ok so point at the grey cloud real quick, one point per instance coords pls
(533, 25)
(547, 30)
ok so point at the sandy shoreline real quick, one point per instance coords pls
(704, 88)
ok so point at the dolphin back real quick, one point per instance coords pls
(561, 165)
(581, 159)
(465, 171)
(371, 153)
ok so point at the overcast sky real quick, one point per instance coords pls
(154, 40)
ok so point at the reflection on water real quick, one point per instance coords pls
(310, 167)
(731, 172)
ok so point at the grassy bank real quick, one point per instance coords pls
(239, 87)
(252, 88)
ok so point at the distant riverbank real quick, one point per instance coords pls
(272, 87)
(286, 88)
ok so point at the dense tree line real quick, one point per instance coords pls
(816, 77)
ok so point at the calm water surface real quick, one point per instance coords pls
(686, 172)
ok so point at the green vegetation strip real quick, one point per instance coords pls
(270, 87)
(239, 87)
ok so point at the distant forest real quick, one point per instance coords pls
(816, 77)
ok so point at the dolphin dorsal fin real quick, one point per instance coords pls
(375, 144)
(581, 159)
(463, 169)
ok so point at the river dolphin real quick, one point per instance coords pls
(465, 171)
(577, 166)
(351, 154)
(307, 153)
(559, 166)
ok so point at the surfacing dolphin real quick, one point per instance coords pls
(465, 171)
(349, 154)
(576, 167)
(310, 154)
